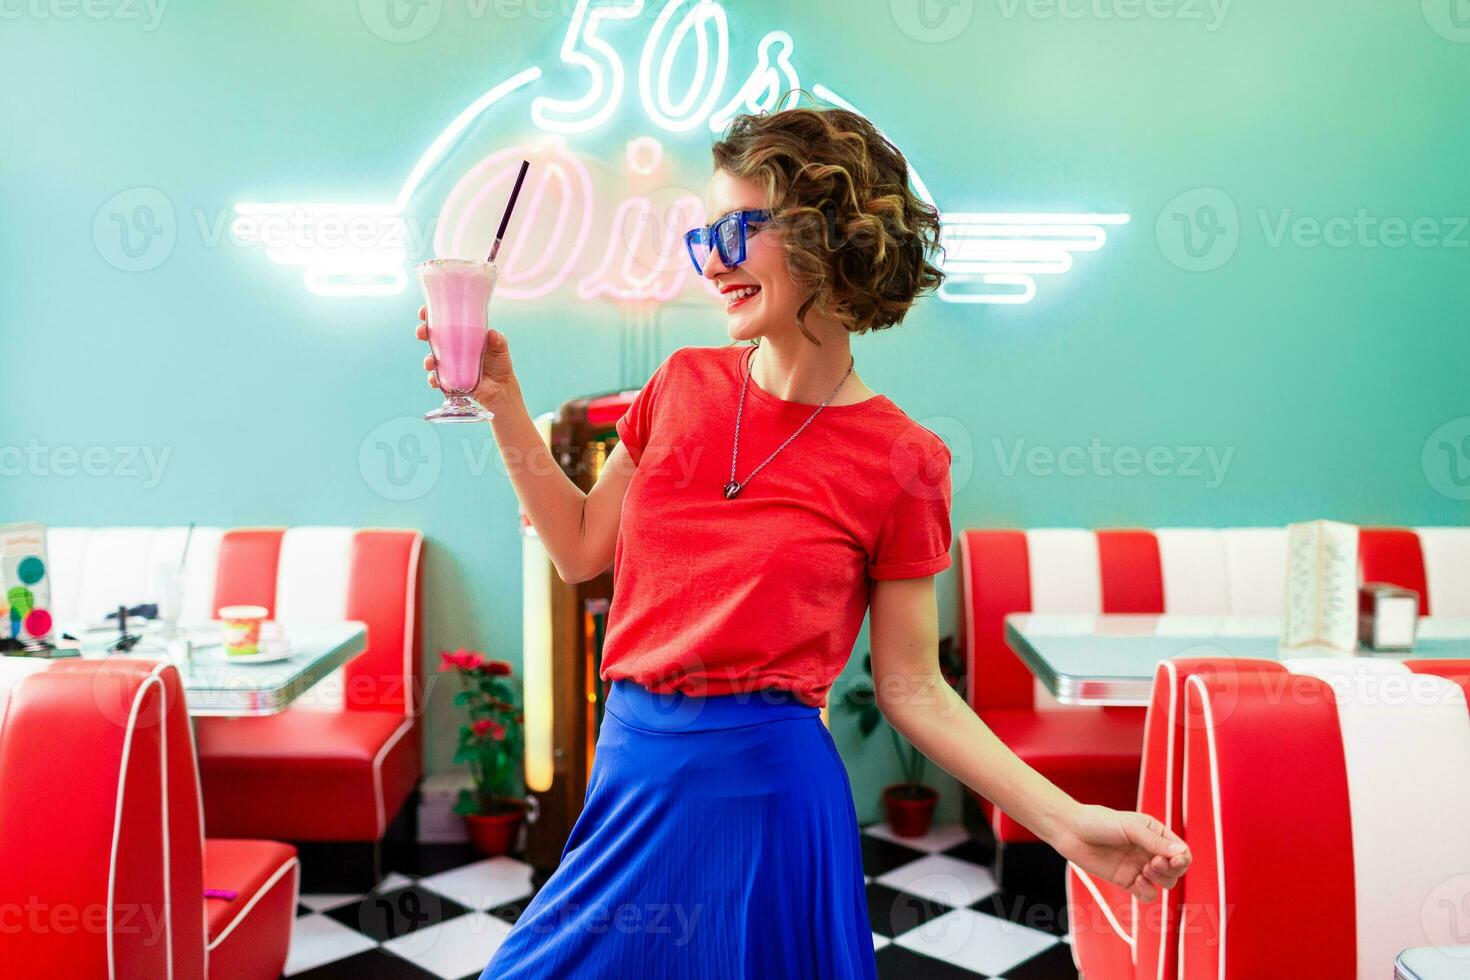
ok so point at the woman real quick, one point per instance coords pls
(719, 837)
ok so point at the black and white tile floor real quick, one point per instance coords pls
(936, 913)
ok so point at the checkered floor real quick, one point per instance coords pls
(936, 913)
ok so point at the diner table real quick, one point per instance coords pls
(1433, 963)
(1109, 659)
(217, 685)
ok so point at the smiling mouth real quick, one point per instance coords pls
(739, 296)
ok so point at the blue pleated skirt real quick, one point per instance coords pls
(718, 842)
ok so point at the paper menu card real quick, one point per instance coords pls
(1321, 608)
(25, 603)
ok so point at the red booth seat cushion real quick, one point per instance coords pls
(307, 775)
(1092, 753)
(249, 935)
(1100, 917)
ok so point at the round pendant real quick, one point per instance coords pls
(731, 489)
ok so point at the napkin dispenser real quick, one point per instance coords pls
(1388, 616)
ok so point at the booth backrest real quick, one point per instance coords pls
(1334, 797)
(299, 574)
(1433, 561)
(101, 833)
(1186, 571)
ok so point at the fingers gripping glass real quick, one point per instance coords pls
(726, 236)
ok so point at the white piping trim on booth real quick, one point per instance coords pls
(393, 740)
(152, 680)
(1208, 722)
(1172, 722)
(254, 899)
(1107, 910)
(410, 671)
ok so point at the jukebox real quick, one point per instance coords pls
(564, 628)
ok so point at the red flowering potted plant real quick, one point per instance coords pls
(909, 804)
(490, 743)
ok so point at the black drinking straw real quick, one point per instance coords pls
(510, 205)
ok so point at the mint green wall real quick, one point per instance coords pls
(1323, 378)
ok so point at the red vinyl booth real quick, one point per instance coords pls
(335, 771)
(1113, 935)
(103, 864)
(1373, 757)
(1093, 753)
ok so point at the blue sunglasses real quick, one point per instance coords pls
(726, 236)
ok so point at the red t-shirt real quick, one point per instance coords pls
(717, 596)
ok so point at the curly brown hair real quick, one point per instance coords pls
(857, 237)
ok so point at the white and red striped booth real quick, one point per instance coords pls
(103, 861)
(1374, 757)
(1092, 752)
(1114, 935)
(1324, 801)
(339, 765)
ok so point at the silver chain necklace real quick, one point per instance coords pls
(734, 487)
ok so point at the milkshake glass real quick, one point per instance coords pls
(457, 295)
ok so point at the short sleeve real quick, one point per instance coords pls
(914, 538)
(636, 424)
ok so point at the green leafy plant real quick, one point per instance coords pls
(492, 740)
(861, 700)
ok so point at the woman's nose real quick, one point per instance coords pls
(714, 265)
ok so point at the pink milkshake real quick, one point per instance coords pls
(457, 293)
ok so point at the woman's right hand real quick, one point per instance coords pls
(496, 373)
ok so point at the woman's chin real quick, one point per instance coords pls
(742, 327)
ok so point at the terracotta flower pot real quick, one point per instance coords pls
(910, 808)
(493, 833)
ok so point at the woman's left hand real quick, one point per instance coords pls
(1132, 850)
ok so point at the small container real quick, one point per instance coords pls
(1388, 617)
(241, 627)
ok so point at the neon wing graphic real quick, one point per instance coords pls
(371, 240)
(992, 257)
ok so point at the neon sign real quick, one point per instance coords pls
(684, 82)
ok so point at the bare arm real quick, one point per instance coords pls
(1133, 851)
(579, 530)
